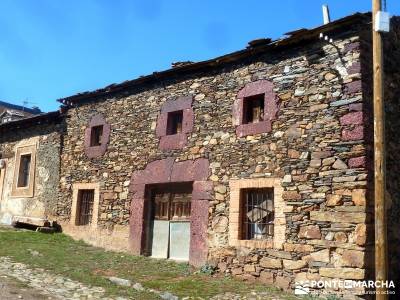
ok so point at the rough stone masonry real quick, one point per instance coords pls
(313, 148)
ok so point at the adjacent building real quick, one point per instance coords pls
(11, 112)
(29, 169)
(259, 162)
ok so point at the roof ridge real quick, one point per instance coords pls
(255, 48)
(8, 105)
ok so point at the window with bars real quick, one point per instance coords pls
(96, 136)
(174, 122)
(24, 170)
(85, 207)
(257, 213)
(253, 109)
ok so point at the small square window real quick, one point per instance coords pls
(253, 109)
(96, 136)
(174, 122)
(257, 214)
(85, 207)
(24, 170)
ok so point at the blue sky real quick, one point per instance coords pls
(51, 49)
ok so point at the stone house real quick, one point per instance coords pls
(29, 169)
(11, 112)
(259, 162)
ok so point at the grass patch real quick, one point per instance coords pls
(59, 254)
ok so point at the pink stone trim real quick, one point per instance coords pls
(355, 107)
(169, 171)
(351, 47)
(202, 190)
(353, 87)
(271, 108)
(97, 151)
(357, 162)
(198, 233)
(354, 68)
(354, 118)
(171, 142)
(353, 134)
(251, 129)
(161, 129)
(178, 104)
(176, 141)
(188, 120)
(256, 88)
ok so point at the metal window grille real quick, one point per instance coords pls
(174, 122)
(96, 136)
(24, 170)
(85, 207)
(253, 109)
(257, 214)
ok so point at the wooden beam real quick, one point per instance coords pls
(379, 153)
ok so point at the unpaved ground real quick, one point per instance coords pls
(29, 261)
(11, 290)
(56, 286)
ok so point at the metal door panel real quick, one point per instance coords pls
(160, 239)
(179, 240)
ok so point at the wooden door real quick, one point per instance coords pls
(171, 222)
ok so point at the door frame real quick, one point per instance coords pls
(169, 170)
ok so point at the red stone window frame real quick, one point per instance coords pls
(260, 88)
(97, 149)
(175, 139)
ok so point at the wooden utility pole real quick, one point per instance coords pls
(379, 152)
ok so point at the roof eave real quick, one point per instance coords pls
(295, 37)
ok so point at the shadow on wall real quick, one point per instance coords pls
(392, 123)
(392, 136)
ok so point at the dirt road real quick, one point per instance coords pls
(12, 290)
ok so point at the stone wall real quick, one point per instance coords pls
(315, 147)
(47, 143)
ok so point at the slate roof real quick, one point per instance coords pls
(43, 118)
(254, 48)
(9, 106)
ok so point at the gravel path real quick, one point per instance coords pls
(54, 286)
(18, 281)
(11, 290)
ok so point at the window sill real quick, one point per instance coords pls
(95, 151)
(171, 142)
(84, 226)
(261, 244)
(253, 128)
(24, 192)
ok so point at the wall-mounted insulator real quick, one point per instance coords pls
(325, 37)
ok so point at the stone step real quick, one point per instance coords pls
(46, 229)
(40, 222)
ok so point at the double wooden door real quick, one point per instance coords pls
(170, 226)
